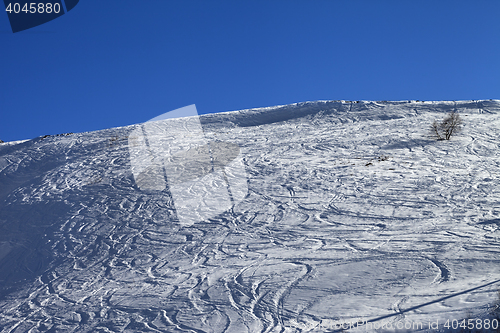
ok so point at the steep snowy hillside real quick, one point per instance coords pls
(297, 218)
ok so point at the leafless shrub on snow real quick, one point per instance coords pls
(450, 125)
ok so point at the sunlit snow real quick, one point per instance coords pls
(295, 218)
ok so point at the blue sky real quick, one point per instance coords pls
(119, 62)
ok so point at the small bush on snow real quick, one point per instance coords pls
(450, 125)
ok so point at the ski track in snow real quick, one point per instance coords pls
(352, 212)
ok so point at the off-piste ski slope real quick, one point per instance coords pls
(351, 213)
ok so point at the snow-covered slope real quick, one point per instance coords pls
(349, 213)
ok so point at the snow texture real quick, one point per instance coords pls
(294, 218)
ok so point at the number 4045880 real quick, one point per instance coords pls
(477, 324)
(34, 7)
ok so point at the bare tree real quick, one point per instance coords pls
(450, 125)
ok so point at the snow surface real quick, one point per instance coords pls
(350, 213)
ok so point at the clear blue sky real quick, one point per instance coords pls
(119, 62)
